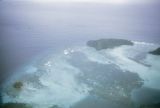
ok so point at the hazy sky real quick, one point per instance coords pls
(100, 1)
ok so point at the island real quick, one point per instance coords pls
(155, 52)
(108, 43)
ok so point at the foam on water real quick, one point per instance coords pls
(55, 84)
(134, 59)
(150, 74)
(53, 80)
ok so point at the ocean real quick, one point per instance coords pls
(29, 29)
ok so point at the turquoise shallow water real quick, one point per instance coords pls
(81, 77)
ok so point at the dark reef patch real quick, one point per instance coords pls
(108, 81)
(157, 105)
(15, 105)
(18, 85)
(146, 97)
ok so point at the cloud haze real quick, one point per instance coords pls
(98, 1)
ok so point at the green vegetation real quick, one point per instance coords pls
(155, 52)
(15, 105)
(108, 43)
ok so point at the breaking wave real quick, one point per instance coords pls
(66, 78)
